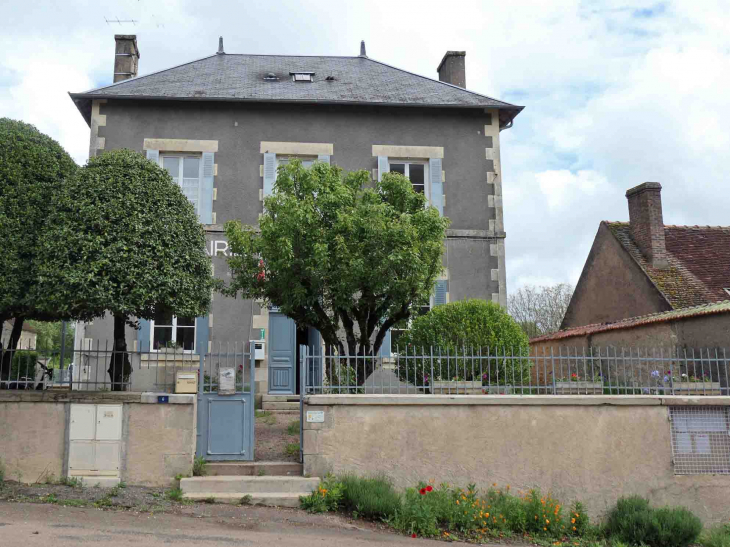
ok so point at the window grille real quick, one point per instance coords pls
(700, 440)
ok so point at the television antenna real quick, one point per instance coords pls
(121, 21)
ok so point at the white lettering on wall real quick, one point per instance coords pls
(217, 248)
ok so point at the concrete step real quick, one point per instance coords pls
(241, 485)
(279, 406)
(252, 469)
(280, 398)
(271, 499)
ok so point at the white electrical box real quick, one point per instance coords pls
(257, 350)
(95, 439)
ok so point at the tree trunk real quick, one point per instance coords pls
(120, 369)
(9, 351)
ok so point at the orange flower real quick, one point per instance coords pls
(547, 521)
(545, 529)
(457, 502)
(572, 521)
(574, 528)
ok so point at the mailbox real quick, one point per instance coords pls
(257, 350)
(186, 381)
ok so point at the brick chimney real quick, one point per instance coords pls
(126, 57)
(452, 69)
(647, 224)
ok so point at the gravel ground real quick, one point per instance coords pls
(272, 437)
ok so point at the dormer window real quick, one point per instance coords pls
(302, 76)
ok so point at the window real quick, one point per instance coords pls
(400, 328)
(185, 171)
(307, 162)
(700, 440)
(169, 331)
(415, 171)
(302, 76)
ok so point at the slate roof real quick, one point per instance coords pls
(699, 263)
(633, 322)
(357, 80)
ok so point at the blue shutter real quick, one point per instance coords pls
(442, 287)
(143, 335)
(382, 166)
(201, 334)
(437, 187)
(269, 173)
(205, 205)
(153, 155)
(385, 349)
(324, 159)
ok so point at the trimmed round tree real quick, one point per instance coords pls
(464, 330)
(124, 240)
(33, 167)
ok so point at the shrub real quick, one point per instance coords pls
(372, 498)
(293, 428)
(461, 328)
(718, 536)
(23, 365)
(292, 449)
(326, 497)
(633, 521)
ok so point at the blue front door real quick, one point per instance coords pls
(282, 354)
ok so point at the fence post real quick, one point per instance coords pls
(304, 353)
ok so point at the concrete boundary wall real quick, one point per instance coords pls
(589, 448)
(158, 440)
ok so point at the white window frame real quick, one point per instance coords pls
(174, 335)
(181, 158)
(426, 178)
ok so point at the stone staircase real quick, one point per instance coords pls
(280, 403)
(245, 482)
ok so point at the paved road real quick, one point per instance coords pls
(30, 525)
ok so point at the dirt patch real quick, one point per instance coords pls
(274, 432)
(138, 498)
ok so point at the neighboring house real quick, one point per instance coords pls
(703, 328)
(222, 124)
(643, 267)
(28, 336)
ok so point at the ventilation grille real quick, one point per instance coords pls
(700, 440)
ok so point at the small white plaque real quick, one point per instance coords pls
(226, 381)
(315, 416)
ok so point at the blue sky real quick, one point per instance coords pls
(617, 93)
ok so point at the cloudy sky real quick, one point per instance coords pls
(617, 92)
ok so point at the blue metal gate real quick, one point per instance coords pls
(226, 387)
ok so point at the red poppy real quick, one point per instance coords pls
(429, 488)
(422, 491)
(413, 535)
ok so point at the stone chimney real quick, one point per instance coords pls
(452, 69)
(126, 57)
(647, 224)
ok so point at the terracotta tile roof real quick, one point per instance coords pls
(699, 263)
(632, 322)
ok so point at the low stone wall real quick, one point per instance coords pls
(158, 440)
(592, 449)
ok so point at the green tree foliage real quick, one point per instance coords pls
(339, 255)
(124, 240)
(33, 168)
(48, 341)
(460, 329)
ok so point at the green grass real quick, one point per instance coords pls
(174, 494)
(2, 471)
(293, 428)
(291, 449)
(73, 482)
(74, 503)
(113, 492)
(50, 498)
(245, 500)
(261, 472)
(199, 467)
(266, 417)
(371, 498)
(717, 536)
(211, 499)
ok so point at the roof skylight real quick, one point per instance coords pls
(302, 76)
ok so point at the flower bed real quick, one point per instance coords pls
(697, 388)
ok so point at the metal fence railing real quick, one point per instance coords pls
(561, 371)
(98, 367)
